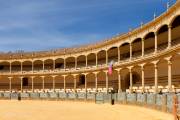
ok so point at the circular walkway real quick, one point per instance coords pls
(67, 110)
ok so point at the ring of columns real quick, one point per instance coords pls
(145, 59)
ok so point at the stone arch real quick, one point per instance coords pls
(113, 54)
(162, 37)
(136, 47)
(91, 59)
(81, 61)
(101, 57)
(149, 43)
(125, 51)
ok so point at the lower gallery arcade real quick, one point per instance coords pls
(151, 76)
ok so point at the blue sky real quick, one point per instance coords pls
(33, 25)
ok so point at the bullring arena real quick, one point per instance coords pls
(65, 83)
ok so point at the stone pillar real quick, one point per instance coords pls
(96, 80)
(107, 86)
(32, 83)
(21, 84)
(64, 63)
(64, 76)
(106, 57)
(10, 84)
(156, 76)
(10, 67)
(156, 41)
(43, 65)
(169, 62)
(169, 35)
(32, 66)
(119, 54)
(142, 47)
(86, 61)
(96, 60)
(54, 64)
(131, 79)
(53, 82)
(130, 51)
(75, 62)
(142, 76)
(21, 66)
(75, 81)
(85, 86)
(119, 81)
(43, 82)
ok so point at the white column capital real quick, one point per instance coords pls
(74, 75)
(32, 77)
(10, 77)
(168, 58)
(42, 76)
(130, 68)
(95, 73)
(53, 76)
(119, 69)
(155, 62)
(84, 73)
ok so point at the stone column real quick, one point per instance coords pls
(106, 57)
(119, 80)
(21, 83)
(119, 54)
(142, 76)
(10, 84)
(85, 86)
(96, 80)
(32, 66)
(86, 61)
(53, 82)
(131, 80)
(10, 67)
(75, 62)
(142, 47)
(169, 35)
(21, 66)
(32, 85)
(96, 60)
(64, 76)
(169, 62)
(64, 63)
(156, 41)
(43, 82)
(54, 64)
(107, 81)
(130, 51)
(75, 81)
(156, 76)
(43, 65)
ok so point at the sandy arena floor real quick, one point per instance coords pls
(66, 110)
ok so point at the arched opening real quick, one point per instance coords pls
(48, 64)
(137, 48)
(101, 57)
(81, 61)
(16, 66)
(69, 82)
(125, 51)
(91, 58)
(90, 80)
(101, 79)
(4, 66)
(59, 63)
(37, 81)
(70, 62)
(81, 81)
(136, 79)
(113, 54)
(59, 80)
(176, 30)
(162, 38)
(38, 65)
(113, 80)
(149, 43)
(27, 66)
(16, 83)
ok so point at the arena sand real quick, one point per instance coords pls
(71, 110)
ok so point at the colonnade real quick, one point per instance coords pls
(130, 68)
